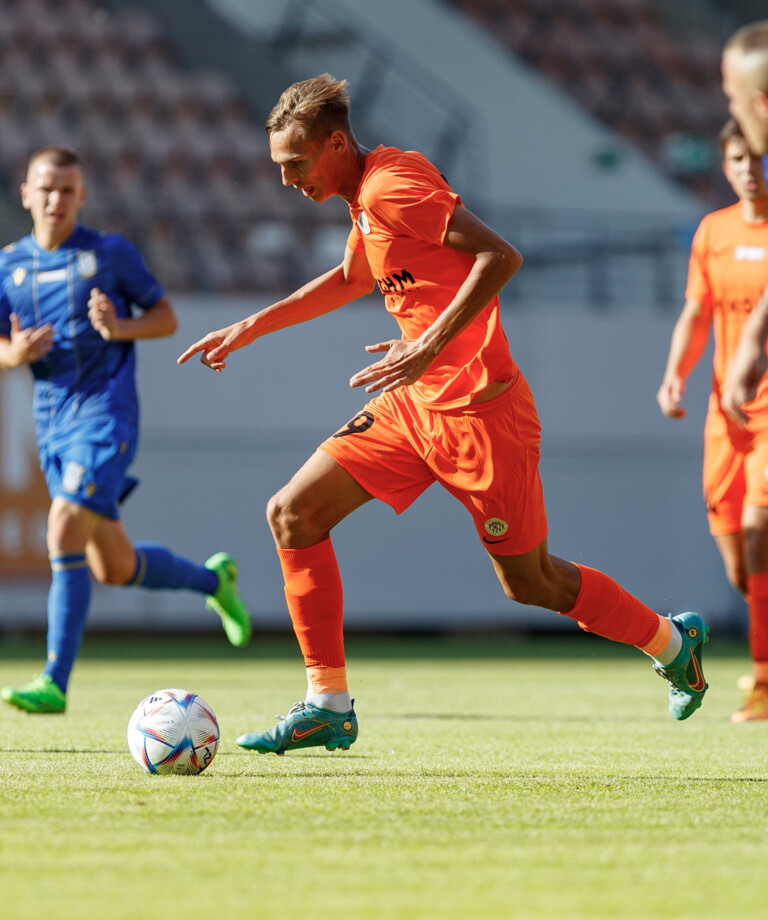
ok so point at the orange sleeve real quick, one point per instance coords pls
(412, 203)
(699, 287)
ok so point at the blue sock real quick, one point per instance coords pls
(68, 600)
(158, 567)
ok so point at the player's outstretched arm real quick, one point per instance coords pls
(215, 347)
(689, 340)
(749, 365)
(24, 346)
(348, 281)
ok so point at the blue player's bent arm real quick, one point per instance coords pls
(157, 321)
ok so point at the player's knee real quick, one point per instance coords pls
(737, 577)
(100, 574)
(283, 517)
(111, 573)
(295, 519)
(525, 592)
(274, 513)
(545, 589)
(61, 535)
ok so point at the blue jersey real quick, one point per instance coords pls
(83, 376)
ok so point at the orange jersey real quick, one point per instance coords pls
(728, 271)
(400, 214)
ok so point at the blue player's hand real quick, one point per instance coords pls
(30, 344)
(103, 316)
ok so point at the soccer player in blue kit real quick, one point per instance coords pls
(66, 309)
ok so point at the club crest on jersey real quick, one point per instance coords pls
(496, 527)
(87, 266)
(19, 274)
(362, 223)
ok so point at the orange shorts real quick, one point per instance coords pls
(486, 455)
(735, 473)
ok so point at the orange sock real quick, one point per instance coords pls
(661, 640)
(605, 608)
(327, 680)
(315, 602)
(757, 590)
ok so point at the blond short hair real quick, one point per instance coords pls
(749, 38)
(318, 106)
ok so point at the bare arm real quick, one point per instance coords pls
(343, 284)
(496, 261)
(749, 365)
(155, 322)
(689, 340)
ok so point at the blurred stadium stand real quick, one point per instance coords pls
(649, 70)
(166, 102)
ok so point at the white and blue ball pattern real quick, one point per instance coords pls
(173, 731)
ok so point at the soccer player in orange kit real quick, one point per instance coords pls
(745, 83)
(453, 408)
(727, 275)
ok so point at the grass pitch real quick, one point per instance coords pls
(504, 778)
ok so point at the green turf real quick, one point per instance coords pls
(492, 779)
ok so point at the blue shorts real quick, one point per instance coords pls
(87, 464)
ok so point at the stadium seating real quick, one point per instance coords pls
(652, 78)
(174, 158)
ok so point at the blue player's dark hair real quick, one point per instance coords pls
(57, 155)
(731, 131)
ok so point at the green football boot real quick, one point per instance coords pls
(305, 726)
(41, 694)
(684, 675)
(227, 602)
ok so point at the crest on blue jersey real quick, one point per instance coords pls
(19, 274)
(87, 266)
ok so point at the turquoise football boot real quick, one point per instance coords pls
(305, 726)
(684, 675)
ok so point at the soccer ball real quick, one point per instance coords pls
(173, 731)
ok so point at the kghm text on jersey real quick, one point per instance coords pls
(395, 283)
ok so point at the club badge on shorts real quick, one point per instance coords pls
(73, 477)
(495, 527)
